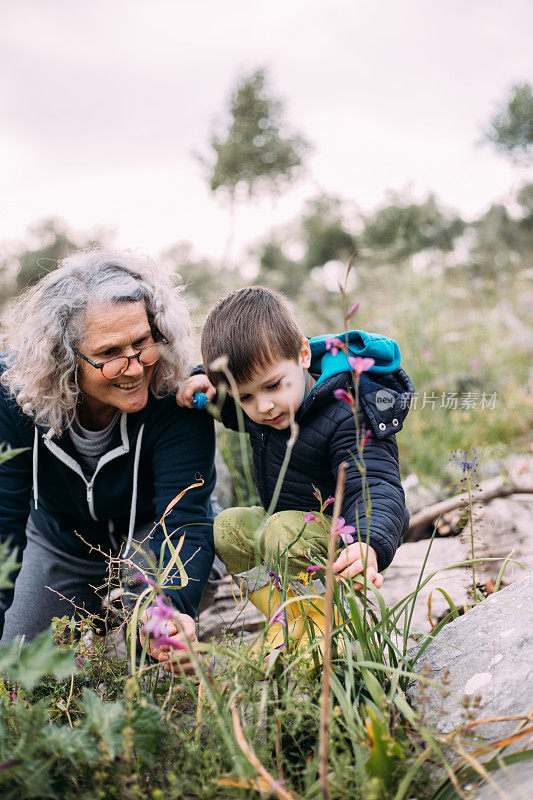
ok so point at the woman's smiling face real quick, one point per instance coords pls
(113, 329)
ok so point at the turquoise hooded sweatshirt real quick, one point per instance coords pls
(384, 351)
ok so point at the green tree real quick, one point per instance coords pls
(401, 229)
(278, 271)
(524, 198)
(51, 240)
(511, 129)
(255, 154)
(503, 242)
(498, 245)
(203, 281)
(324, 233)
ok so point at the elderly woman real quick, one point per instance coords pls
(95, 352)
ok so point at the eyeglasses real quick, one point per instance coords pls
(114, 367)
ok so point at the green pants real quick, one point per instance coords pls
(243, 542)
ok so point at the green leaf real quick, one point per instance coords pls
(149, 733)
(36, 781)
(74, 744)
(8, 564)
(454, 611)
(7, 452)
(29, 663)
(105, 720)
(385, 753)
(374, 687)
(22, 744)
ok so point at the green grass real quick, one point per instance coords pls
(76, 722)
(456, 334)
(91, 730)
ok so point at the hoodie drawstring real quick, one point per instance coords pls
(69, 461)
(133, 509)
(35, 470)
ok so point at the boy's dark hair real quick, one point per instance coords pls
(252, 328)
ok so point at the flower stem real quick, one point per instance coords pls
(474, 588)
(323, 735)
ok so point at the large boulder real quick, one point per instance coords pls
(488, 652)
(515, 782)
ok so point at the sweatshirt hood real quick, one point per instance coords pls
(384, 351)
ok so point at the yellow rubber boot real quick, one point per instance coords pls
(267, 599)
(312, 624)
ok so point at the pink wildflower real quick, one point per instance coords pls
(346, 538)
(329, 501)
(360, 365)
(366, 435)
(314, 569)
(342, 394)
(352, 310)
(140, 576)
(334, 345)
(170, 641)
(278, 617)
(310, 517)
(427, 355)
(343, 531)
(159, 614)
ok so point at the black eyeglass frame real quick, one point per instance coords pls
(101, 364)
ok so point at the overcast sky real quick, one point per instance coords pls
(104, 103)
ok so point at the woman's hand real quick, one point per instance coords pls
(179, 628)
(194, 384)
(352, 561)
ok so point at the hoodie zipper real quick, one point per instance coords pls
(61, 455)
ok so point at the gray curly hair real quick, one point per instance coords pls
(46, 322)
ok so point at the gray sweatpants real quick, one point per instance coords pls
(82, 581)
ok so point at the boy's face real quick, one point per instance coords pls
(275, 394)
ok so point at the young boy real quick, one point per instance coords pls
(281, 376)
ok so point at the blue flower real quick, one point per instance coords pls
(460, 457)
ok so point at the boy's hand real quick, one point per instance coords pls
(194, 384)
(173, 659)
(352, 560)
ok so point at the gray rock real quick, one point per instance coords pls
(515, 781)
(402, 576)
(488, 652)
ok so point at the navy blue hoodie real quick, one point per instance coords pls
(155, 454)
(327, 437)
